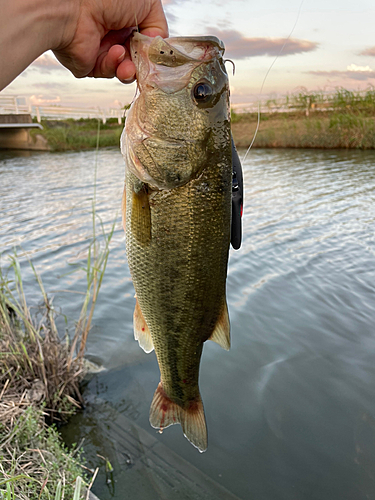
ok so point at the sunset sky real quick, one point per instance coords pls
(332, 45)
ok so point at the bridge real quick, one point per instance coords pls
(17, 125)
(16, 104)
(15, 133)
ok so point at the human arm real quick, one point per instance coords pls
(87, 36)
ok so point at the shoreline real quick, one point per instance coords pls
(319, 130)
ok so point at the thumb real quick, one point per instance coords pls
(155, 23)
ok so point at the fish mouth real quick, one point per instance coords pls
(159, 151)
(176, 51)
(168, 63)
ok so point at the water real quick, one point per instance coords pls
(291, 408)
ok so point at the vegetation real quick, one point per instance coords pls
(37, 385)
(33, 462)
(337, 131)
(69, 134)
(311, 120)
(341, 101)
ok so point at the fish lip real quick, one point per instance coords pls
(212, 40)
(136, 36)
(155, 57)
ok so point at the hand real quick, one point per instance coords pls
(96, 45)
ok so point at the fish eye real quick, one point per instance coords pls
(203, 92)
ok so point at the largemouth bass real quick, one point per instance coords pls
(177, 215)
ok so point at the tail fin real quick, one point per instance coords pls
(164, 412)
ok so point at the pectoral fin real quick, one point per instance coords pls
(141, 330)
(221, 334)
(141, 216)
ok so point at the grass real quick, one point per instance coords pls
(77, 135)
(33, 358)
(342, 130)
(94, 271)
(344, 119)
(39, 384)
(34, 465)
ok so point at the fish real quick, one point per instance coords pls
(177, 215)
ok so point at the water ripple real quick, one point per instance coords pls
(284, 404)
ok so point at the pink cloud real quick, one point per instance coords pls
(46, 100)
(46, 63)
(368, 52)
(240, 47)
(352, 75)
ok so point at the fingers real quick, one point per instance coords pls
(114, 59)
(126, 71)
(110, 61)
(115, 62)
(155, 23)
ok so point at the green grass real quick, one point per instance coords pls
(342, 100)
(35, 465)
(344, 119)
(77, 135)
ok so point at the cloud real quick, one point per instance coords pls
(240, 47)
(353, 72)
(49, 85)
(368, 52)
(42, 99)
(171, 18)
(46, 64)
(361, 69)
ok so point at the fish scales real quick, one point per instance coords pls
(182, 270)
(177, 212)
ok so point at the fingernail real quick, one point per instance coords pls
(121, 58)
(129, 80)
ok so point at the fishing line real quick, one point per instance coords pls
(266, 75)
(136, 80)
(136, 22)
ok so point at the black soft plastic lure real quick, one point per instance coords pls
(237, 200)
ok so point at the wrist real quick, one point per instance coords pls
(30, 27)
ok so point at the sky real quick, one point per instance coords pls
(331, 44)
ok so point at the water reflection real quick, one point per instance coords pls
(291, 407)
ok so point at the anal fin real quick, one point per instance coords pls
(141, 330)
(164, 412)
(221, 333)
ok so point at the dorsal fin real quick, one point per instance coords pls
(141, 330)
(221, 333)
